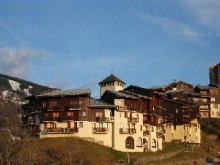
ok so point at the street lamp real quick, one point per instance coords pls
(128, 159)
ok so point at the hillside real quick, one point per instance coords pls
(72, 150)
(15, 89)
(12, 93)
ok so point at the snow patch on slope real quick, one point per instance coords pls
(14, 85)
(5, 93)
(27, 92)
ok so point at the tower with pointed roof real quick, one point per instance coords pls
(111, 83)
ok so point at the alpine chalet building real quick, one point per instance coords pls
(124, 120)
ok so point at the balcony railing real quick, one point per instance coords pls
(105, 119)
(160, 130)
(53, 108)
(67, 118)
(130, 108)
(100, 130)
(127, 130)
(59, 130)
(61, 107)
(133, 120)
(146, 133)
(149, 122)
(72, 107)
(44, 119)
(159, 134)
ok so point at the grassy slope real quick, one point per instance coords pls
(66, 150)
(63, 150)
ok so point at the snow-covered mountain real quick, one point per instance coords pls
(15, 89)
(12, 93)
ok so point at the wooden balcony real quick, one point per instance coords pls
(146, 133)
(159, 134)
(54, 108)
(105, 119)
(147, 122)
(48, 119)
(161, 130)
(67, 118)
(59, 131)
(133, 120)
(74, 107)
(100, 130)
(204, 109)
(127, 130)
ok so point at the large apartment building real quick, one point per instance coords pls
(125, 120)
(179, 118)
(116, 120)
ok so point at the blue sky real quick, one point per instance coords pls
(75, 44)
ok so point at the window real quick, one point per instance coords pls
(98, 114)
(84, 113)
(204, 113)
(141, 128)
(73, 102)
(204, 107)
(177, 110)
(105, 125)
(80, 124)
(45, 125)
(216, 106)
(212, 99)
(126, 114)
(52, 125)
(69, 114)
(154, 143)
(44, 104)
(152, 129)
(53, 104)
(46, 114)
(68, 125)
(55, 114)
(129, 142)
(139, 142)
(121, 125)
(204, 100)
(195, 100)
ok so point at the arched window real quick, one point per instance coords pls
(139, 142)
(154, 143)
(145, 144)
(129, 142)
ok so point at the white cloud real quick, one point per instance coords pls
(16, 62)
(173, 26)
(206, 12)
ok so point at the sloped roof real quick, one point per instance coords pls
(179, 82)
(111, 78)
(124, 94)
(73, 92)
(138, 90)
(203, 87)
(157, 87)
(175, 91)
(98, 102)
